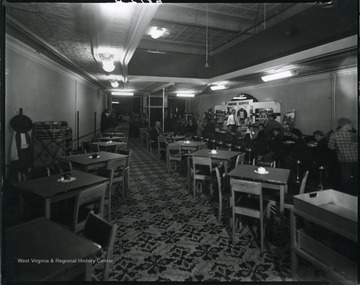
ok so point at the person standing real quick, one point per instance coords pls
(345, 141)
(231, 120)
(106, 120)
(272, 124)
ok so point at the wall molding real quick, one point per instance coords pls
(34, 55)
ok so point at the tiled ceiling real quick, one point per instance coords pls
(71, 33)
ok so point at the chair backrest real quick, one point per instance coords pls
(64, 165)
(203, 162)
(174, 151)
(202, 146)
(162, 142)
(127, 152)
(220, 174)
(271, 164)
(102, 233)
(303, 182)
(74, 152)
(94, 148)
(247, 187)
(86, 145)
(240, 159)
(92, 195)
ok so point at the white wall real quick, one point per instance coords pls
(318, 100)
(46, 91)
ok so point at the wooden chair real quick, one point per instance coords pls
(274, 196)
(115, 170)
(174, 154)
(251, 205)
(202, 171)
(127, 152)
(161, 146)
(74, 152)
(240, 159)
(221, 185)
(90, 197)
(94, 147)
(271, 164)
(103, 234)
(64, 165)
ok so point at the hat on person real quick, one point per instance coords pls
(296, 132)
(343, 121)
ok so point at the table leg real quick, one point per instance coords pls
(47, 208)
(226, 166)
(189, 173)
(88, 271)
(294, 259)
(282, 194)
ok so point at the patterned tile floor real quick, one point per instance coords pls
(166, 235)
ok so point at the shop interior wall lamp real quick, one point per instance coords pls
(107, 60)
(189, 95)
(279, 75)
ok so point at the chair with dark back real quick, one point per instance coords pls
(86, 200)
(202, 171)
(80, 151)
(94, 148)
(86, 146)
(64, 165)
(249, 202)
(271, 164)
(103, 234)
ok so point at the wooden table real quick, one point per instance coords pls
(109, 144)
(86, 162)
(175, 138)
(112, 138)
(221, 156)
(63, 254)
(277, 178)
(50, 190)
(188, 145)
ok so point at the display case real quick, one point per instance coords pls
(333, 250)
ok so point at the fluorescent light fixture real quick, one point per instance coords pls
(156, 32)
(276, 76)
(189, 95)
(113, 102)
(122, 93)
(114, 83)
(218, 87)
(241, 97)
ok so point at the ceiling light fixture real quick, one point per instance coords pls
(218, 87)
(114, 83)
(279, 75)
(122, 93)
(156, 32)
(189, 95)
(107, 60)
(113, 102)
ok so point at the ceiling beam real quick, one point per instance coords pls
(213, 11)
(182, 16)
